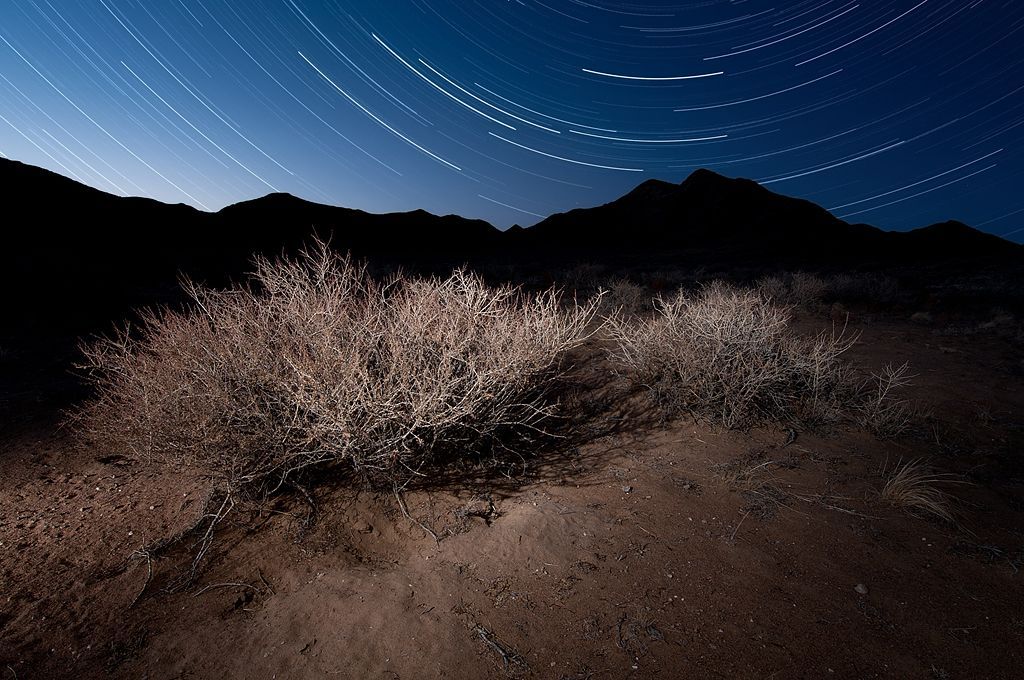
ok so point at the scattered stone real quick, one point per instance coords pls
(627, 489)
(861, 589)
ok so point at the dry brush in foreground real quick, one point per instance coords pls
(316, 364)
(728, 355)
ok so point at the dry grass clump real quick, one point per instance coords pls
(315, 363)
(728, 355)
(913, 486)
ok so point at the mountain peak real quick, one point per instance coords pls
(700, 179)
(703, 180)
(705, 175)
(650, 190)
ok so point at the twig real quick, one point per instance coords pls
(508, 656)
(401, 505)
(849, 512)
(313, 509)
(620, 642)
(212, 586)
(270, 588)
(207, 540)
(647, 532)
(142, 552)
(822, 503)
(738, 525)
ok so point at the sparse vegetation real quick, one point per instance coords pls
(798, 289)
(864, 288)
(751, 476)
(913, 486)
(628, 298)
(807, 290)
(882, 409)
(774, 287)
(728, 355)
(315, 363)
(810, 291)
(583, 279)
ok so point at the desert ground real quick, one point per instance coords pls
(642, 545)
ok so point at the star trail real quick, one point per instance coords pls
(899, 114)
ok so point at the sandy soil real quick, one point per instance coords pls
(673, 550)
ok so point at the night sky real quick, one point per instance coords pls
(899, 114)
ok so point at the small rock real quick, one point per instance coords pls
(861, 589)
(627, 489)
(364, 528)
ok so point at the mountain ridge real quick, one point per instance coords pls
(80, 245)
(18, 175)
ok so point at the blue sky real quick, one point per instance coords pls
(899, 114)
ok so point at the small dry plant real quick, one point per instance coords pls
(752, 477)
(314, 363)
(882, 410)
(728, 355)
(865, 288)
(799, 289)
(625, 298)
(912, 485)
(807, 289)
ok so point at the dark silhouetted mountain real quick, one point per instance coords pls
(738, 217)
(79, 250)
(705, 211)
(92, 229)
(69, 247)
(954, 237)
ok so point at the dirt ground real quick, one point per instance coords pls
(668, 550)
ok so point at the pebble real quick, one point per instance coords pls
(861, 588)
(627, 489)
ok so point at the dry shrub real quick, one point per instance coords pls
(864, 288)
(315, 363)
(662, 280)
(882, 410)
(774, 287)
(798, 289)
(728, 355)
(913, 486)
(806, 290)
(627, 298)
(583, 279)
